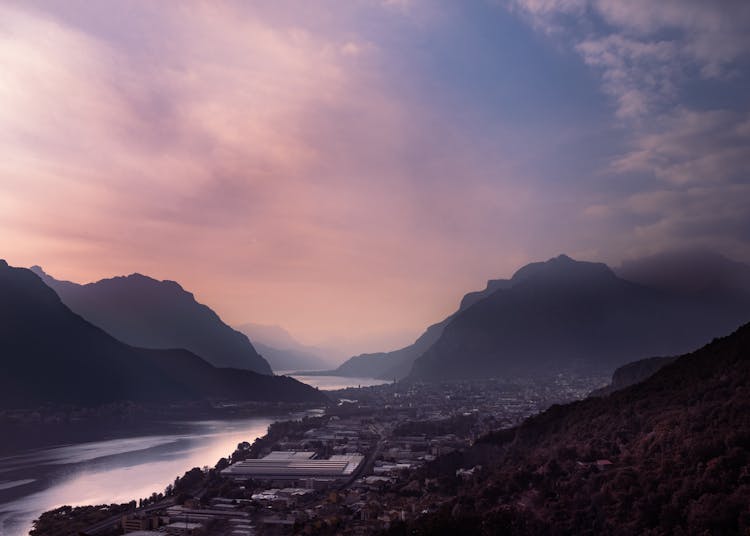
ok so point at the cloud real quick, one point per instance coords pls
(645, 49)
(236, 146)
(692, 147)
(686, 155)
(705, 216)
(638, 75)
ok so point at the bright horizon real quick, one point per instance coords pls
(349, 172)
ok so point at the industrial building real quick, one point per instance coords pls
(293, 468)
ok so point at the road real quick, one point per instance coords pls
(112, 522)
(367, 464)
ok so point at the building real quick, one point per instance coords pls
(301, 469)
(134, 523)
(185, 528)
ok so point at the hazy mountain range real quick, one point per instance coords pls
(556, 315)
(52, 355)
(283, 351)
(669, 455)
(398, 363)
(564, 313)
(144, 312)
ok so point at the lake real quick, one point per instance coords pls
(46, 466)
(332, 383)
(39, 471)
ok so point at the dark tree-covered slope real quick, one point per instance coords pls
(670, 455)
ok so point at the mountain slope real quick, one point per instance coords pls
(281, 350)
(286, 359)
(398, 363)
(670, 455)
(48, 354)
(144, 312)
(564, 314)
(633, 373)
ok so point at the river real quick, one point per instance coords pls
(45, 466)
(332, 383)
(106, 466)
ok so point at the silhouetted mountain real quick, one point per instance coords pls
(688, 271)
(51, 355)
(283, 351)
(564, 314)
(633, 373)
(670, 455)
(144, 312)
(398, 363)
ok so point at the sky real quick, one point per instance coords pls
(348, 170)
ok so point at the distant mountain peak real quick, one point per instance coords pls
(568, 314)
(563, 267)
(147, 279)
(145, 312)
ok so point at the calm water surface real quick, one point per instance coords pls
(330, 383)
(102, 470)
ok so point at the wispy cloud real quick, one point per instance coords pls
(232, 145)
(696, 149)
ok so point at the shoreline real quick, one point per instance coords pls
(105, 513)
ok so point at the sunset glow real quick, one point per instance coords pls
(349, 170)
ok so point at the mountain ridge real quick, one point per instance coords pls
(633, 373)
(397, 364)
(52, 355)
(281, 349)
(145, 312)
(563, 313)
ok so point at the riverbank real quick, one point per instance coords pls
(203, 482)
(93, 461)
(127, 411)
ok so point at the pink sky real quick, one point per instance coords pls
(286, 163)
(266, 167)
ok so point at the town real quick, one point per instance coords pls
(348, 470)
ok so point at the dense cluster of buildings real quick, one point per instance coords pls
(219, 516)
(337, 476)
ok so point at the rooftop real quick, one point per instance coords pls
(290, 465)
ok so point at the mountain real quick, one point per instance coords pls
(398, 363)
(670, 455)
(693, 271)
(283, 351)
(564, 314)
(633, 373)
(48, 354)
(144, 312)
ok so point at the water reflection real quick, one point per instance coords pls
(111, 470)
(331, 383)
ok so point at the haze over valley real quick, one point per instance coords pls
(385, 267)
